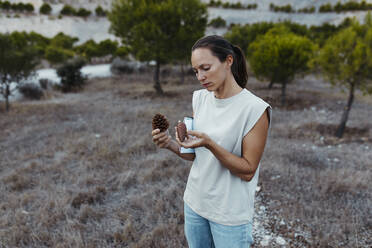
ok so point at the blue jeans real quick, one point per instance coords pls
(203, 233)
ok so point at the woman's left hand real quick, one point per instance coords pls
(194, 139)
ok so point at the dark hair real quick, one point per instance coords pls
(221, 48)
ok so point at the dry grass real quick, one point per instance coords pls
(80, 170)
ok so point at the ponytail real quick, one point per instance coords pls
(221, 48)
(239, 67)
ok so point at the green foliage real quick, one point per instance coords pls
(68, 10)
(16, 7)
(90, 48)
(6, 5)
(227, 5)
(162, 30)
(280, 55)
(107, 47)
(29, 7)
(18, 58)
(286, 8)
(326, 8)
(217, 22)
(64, 41)
(57, 55)
(346, 57)
(244, 35)
(122, 52)
(70, 74)
(45, 9)
(307, 10)
(345, 61)
(83, 12)
(100, 11)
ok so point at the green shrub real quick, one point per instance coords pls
(71, 76)
(217, 22)
(31, 91)
(57, 55)
(307, 10)
(29, 7)
(100, 11)
(6, 5)
(326, 8)
(64, 41)
(45, 9)
(83, 12)
(122, 52)
(107, 47)
(68, 10)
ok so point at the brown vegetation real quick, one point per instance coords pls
(80, 170)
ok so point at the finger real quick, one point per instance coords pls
(193, 133)
(160, 135)
(155, 131)
(164, 138)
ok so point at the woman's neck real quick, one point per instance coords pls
(228, 89)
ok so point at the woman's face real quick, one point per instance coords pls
(210, 72)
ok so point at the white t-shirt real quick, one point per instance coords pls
(211, 190)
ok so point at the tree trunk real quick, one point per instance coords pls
(345, 115)
(284, 84)
(271, 84)
(6, 96)
(182, 74)
(157, 85)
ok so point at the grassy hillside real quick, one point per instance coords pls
(80, 170)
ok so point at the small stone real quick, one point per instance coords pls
(266, 240)
(336, 160)
(262, 208)
(98, 136)
(282, 223)
(280, 241)
(258, 189)
(313, 108)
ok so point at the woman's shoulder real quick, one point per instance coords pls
(198, 94)
(253, 100)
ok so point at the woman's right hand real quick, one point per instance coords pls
(161, 139)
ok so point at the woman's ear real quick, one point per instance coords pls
(229, 60)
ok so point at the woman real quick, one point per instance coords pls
(230, 130)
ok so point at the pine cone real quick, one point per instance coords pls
(159, 121)
(181, 131)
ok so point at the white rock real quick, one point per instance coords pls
(282, 223)
(266, 240)
(313, 108)
(280, 241)
(98, 136)
(336, 160)
(262, 208)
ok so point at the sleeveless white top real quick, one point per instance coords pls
(212, 191)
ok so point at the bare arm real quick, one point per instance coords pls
(253, 146)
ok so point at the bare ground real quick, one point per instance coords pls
(80, 170)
